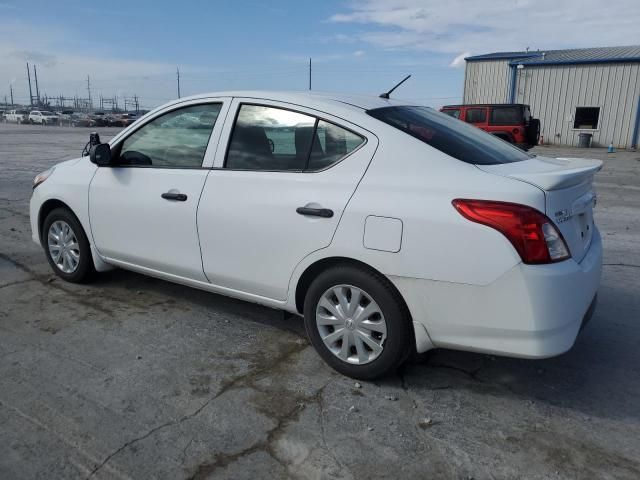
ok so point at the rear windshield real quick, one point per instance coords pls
(453, 137)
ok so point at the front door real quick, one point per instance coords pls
(277, 194)
(142, 209)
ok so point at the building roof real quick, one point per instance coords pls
(501, 56)
(563, 57)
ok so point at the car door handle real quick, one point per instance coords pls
(178, 197)
(315, 212)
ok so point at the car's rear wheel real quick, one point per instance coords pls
(356, 322)
(67, 247)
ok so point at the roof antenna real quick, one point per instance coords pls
(386, 94)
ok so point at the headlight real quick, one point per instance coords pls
(41, 177)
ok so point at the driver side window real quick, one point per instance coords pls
(177, 139)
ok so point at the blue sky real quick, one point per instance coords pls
(133, 47)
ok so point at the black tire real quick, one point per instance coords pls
(533, 132)
(399, 341)
(85, 269)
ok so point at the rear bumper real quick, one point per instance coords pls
(532, 311)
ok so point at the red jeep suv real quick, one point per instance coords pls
(510, 121)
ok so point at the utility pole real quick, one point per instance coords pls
(89, 92)
(178, 76)
(11, 90)
(309, 73)
(35, 74)
(29, 80)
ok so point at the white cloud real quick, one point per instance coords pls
(482, 26)
(358, 53)
(459, 60)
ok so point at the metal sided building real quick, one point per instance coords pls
(591, 90)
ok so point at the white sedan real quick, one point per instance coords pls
(391, 227)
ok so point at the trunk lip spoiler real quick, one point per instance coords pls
(542, 174)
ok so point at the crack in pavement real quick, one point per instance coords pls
(470, 373)
(620, 265)
(63, 439)
(18, 282)
(320, 402)
(237, 381)
(44, 280)
(284, 419)
(184, 451)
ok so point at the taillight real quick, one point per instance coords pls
(516, 131)
(532, 234)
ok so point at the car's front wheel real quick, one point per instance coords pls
(356, 322)
(67, 247)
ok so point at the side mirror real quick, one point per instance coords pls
(100, 154)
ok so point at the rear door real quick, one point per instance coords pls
(283, 176)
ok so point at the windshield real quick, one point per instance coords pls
(449, 135)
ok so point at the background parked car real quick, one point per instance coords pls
(128, 118)
(17, 116)
(43, 117)
(82, 120)
(511, 122)
(64, 117)
(100, 119)
(113, 120)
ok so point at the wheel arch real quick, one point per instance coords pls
(50, 205)
(420, 337)
(46, 208)
(312, 271)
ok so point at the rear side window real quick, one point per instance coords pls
(277, 139)
(331, 143)
(452, 112)
(506, 116)
(463, 142)
(476, 115)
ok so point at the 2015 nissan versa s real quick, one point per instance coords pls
(391, 227)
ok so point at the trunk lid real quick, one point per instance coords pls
(567, 184)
